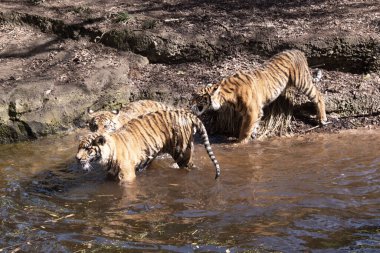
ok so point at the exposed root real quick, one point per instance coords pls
(315, 127)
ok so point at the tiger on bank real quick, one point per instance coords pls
(248, 93)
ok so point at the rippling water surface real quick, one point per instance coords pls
(313, 193)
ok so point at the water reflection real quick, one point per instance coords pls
(303, 193)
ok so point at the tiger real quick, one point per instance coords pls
(110, 121)
(248, 93)
(134, 146)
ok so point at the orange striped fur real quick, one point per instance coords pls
(136, 144)
(110, 121)
(248, 93)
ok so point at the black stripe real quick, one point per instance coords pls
(228, 91)
(298, 73)
(286, 56)
(294, 72)
(142, 133)
(281, 73)
(311, 91)
(273, 75)
(238, 76)
(233, 81)
(152, 126)
(312, 97)
(283, 69)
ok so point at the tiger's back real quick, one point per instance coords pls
(141, 107)
(110, 121)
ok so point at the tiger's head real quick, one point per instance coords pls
(103, 121)
(206, 98)
(93, 148)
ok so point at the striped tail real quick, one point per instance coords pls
(201, 128)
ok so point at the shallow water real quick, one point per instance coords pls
(313, 193)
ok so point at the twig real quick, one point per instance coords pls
(312, 128)
(98, 38)
(172, 20)
(352, 123)
(318, 65)
(64, 217)
(225, 27)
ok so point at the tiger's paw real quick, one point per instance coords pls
(231, 139)
(243, 141)
(174, 166)
(324, 123)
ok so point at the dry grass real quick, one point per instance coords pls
(278, 116)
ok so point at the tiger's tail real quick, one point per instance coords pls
(202, 129)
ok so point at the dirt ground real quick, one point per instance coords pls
(240, 18)
(29, 55)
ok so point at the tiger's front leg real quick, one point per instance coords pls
(248, 126)
(256, 125)
(127, 172)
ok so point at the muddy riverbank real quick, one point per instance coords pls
(60, 58)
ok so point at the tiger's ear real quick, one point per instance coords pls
(100, 140)
(115, 111)
(215, 90)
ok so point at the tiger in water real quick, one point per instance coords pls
(136, 144)
(248, 93)
(110, 121)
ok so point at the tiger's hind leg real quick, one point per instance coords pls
(316, 97)
(305, 84)
(145, 164)
(321, 111)
(184, 159)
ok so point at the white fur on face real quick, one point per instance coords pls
(110, 127)
(86, 166)
(215, 105)
(106, 153)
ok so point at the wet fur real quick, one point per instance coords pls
(142, 139)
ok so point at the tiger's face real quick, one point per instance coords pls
(103, 121)
(92, 149)
(207, 98)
